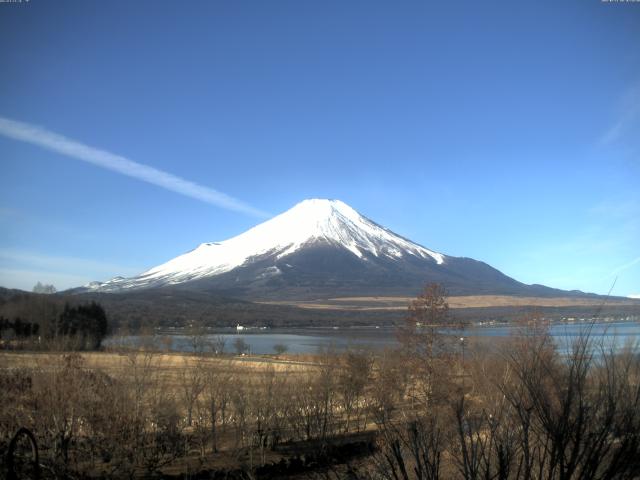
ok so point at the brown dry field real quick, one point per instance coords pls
(170, 364)
(167, 369)
(470, 301)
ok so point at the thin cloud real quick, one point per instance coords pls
(624, 267)
(52, 141)
(627, 119)
(620, 207)
(54, 263)
(25, 279)
(22, 269)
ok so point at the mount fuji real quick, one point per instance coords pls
(320, 248)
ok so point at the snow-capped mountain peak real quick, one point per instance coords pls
(314, 221)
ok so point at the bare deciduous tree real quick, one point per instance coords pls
(192, 383)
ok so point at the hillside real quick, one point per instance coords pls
(321, 249)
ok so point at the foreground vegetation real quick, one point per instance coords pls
(435, 408)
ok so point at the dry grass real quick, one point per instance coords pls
(169, 363)
(469, 301)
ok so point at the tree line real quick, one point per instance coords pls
(439, 407)
(51, 325)
(20, 328)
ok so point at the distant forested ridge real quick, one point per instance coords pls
(174, 307)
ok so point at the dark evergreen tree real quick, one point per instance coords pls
(87, 323)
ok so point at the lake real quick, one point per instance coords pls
(310, 340)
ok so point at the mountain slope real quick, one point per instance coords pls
(320, 248)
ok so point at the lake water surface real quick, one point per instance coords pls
(611, 334)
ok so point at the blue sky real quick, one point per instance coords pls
(508, 132)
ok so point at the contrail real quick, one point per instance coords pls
(624, 267)
(52, 141)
